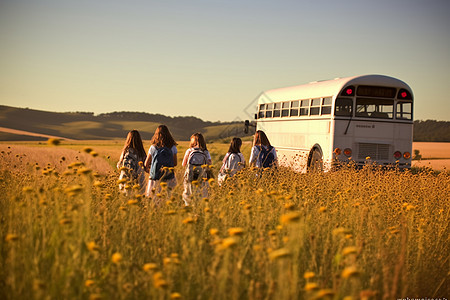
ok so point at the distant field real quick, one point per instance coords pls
(434, 155)
(432, 150)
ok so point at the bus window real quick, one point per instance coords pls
(276, 110)
(326, 106)
(315, 106)
(294, 108)
(262, 111)
(374, 108)
(304, 108)
(285, 109)
(404, 111)
(344, 107)
(269, 108)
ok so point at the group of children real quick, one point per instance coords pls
(161, 160)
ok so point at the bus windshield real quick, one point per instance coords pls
(374, 108)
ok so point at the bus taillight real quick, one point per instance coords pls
(347, 152)
(406, 155)
(348, 91)
(404, 95)
(397, 154)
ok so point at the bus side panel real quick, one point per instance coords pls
(294, 139)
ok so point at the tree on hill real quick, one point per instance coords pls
(431, 131)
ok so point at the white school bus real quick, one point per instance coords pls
(361, 119)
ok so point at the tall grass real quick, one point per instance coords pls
(368, 234)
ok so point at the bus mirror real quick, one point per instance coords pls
(256, 116)
(247, 123)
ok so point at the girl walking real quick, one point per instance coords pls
(131, 162)
(263, 154)
(196, 160)
(233, 161)
(161, 160)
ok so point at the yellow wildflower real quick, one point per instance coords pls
(132, 202)
(349, 250)
(98, 184)
(175, 296)
(27, 189)
(290, 217)
(309, 275)
(116, 258)
(289, 206)
(73, 189)
(311, 286)
(84, 171)
(188, 220)
(149, 267)
(235, 231)
(349, 272)
(279, 253)
(228, 243)
(11, 237)
(89, 283)
(92, 246)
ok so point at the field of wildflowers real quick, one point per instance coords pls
(68, 233)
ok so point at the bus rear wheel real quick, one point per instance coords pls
(315, 161)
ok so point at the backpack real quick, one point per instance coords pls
(163, 158)
(233, 161)
(131, 161)
(265, 156)
(197, 158)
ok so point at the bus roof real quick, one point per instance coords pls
(328, 88)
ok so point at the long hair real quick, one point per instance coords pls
(197, 140)
(134, 142)
(261, 139)
(162, 137)
(235, 146)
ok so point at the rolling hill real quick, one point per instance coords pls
(30, 124)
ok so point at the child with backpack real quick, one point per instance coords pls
(161, 160)
(233, 161)
(263, 154)
(196, 160)
(131, 162)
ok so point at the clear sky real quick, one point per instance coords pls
(212, 58)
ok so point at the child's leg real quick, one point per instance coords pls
(151, 188)
(187, 192)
